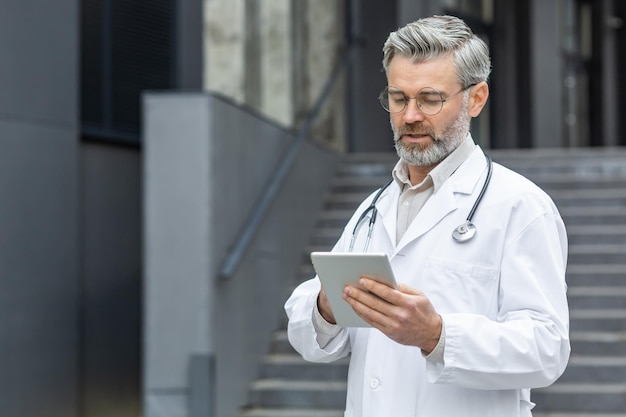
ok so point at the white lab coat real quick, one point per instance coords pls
(502, 297)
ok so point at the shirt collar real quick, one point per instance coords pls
(439, 173)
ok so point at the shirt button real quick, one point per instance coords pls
(405, 204)
(374, 383)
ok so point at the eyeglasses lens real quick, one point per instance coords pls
(428, 100)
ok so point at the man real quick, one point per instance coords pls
(473, 326)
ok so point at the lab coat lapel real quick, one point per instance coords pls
(444, 201)
(436, 208)
(387, 206)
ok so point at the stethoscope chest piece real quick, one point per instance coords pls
(464, 232)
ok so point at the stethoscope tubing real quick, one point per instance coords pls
(370, 227)
(470, 216)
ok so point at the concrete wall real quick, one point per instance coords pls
(39, 285)
(206, 162)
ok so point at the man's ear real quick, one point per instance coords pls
(478, 98)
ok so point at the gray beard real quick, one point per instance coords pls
(435, 152)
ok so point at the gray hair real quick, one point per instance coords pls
(437, 36)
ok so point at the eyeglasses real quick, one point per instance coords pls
(429, 100)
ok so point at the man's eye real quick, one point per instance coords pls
(396, 97)
(430, 99)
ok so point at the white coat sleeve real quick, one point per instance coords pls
(527, 346)
(304, 335)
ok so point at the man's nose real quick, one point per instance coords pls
(412, 113)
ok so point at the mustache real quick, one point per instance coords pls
(415, 130)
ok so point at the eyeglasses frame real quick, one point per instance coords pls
(406, 104)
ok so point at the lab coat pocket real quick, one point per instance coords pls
(455, 286)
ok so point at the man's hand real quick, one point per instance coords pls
(324, 307)
(404, 315)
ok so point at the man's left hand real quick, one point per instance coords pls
(404, 315)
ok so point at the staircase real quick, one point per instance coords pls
(589, 187)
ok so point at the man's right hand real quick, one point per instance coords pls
(324, 307)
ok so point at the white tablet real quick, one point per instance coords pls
(337, 269)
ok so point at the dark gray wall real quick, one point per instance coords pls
(111, 274)
(189, 44)
(510, 27)
(368, 123)
(39, 286)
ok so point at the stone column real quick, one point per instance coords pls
(325, 45)
(545, 74)
(276, 46)
(224, 47)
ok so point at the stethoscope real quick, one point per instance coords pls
(460, 234)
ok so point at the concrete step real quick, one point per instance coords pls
(597, 297)
(286, 365)
(288, 393)
(596, 234)
(600, 369)
(598, 319)
(589, 397)
(584, 216)
(280, 343)
(600, 197)
(596, 274)
(325, 236)
(598, 343)
(597, 254)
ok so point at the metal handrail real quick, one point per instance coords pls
(253, 222)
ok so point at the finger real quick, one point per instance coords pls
(368, 306)
(381, 290)
(370, 315)
(408, 290)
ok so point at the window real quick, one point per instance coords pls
(126, 47)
